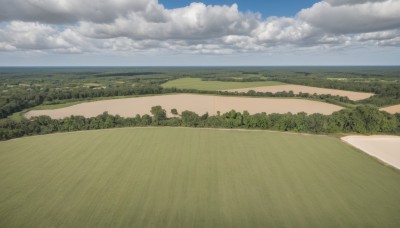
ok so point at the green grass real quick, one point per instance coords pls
(17, 116)
(60, 105)
(182, 177)
(197, 83)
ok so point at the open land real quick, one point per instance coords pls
(392, 109)
(197, 83)
(182, 177)
(199, 104)
(307, 89)
(385, 148)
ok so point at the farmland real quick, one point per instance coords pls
(87, 91)
(392, 109)
(199, 104)
(383, 147)
(181, 177)
(307, 89)
(197, 83)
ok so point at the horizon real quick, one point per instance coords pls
(194, 66)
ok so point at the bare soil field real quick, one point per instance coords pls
(307, 89)
(392, 109)
(200, 104)
(385, 148)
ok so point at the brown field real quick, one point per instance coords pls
(307, 89)
(200, 104)
(392, 109)
(385, 148)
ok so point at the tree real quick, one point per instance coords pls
(174, 112)
(317, 123)
(158, 113)
(190, 119)
(204, 116)
(146, 120)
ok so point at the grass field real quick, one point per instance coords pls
(177, 177)
(197, 83)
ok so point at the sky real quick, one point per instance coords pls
(199, 33)
(265, 7)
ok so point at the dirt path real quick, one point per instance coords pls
(383, 147)
(307, 89)
(200, 104)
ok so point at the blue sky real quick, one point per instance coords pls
(211, 32)
(265, 7)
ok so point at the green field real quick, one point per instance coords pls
(197, 83)
(182, 177)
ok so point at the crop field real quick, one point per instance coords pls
(392, 109)
(129, 107)
(307, 89)
(383, 147)
(182, 177)
(197, 83)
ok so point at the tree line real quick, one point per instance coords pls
(386, 93)
(363, 119)
(28, 99)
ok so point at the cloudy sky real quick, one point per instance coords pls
(187, 33)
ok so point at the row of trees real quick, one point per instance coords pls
(362, 119)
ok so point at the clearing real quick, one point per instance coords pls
(307, 89)
(392, 109)
(200, 104)
(197, 83)
(182, 177)
(385, 148)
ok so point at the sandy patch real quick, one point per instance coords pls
(385, 148)
(307, 89)
(392, 109)
(200, 104)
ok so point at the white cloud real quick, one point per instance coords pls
(195, 22)
(6, 47)
(284, 30)
(30, 35)
(69, 11)
(385, 38)
(125, 26)
(33, 36)
(350, 2)
(359, 18)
